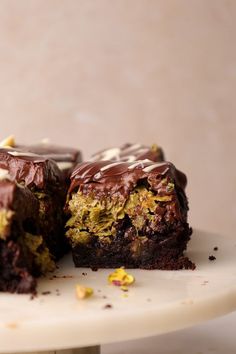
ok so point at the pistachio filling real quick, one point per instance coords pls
(92, 217)
(42, 257)
(99, 217)
(5, 218)
(42, 198)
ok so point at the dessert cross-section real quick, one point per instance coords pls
(131, 214)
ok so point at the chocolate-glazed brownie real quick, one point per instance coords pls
(131, 214)
(24, 254)
(44, 179)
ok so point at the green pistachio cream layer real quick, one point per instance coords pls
(100, 217)
(33, 245)
(41, 255)
(13, 227)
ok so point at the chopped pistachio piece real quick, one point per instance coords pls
(8, 142)
(154, 147)
(42, 256)
(83, 292)
(121, 278)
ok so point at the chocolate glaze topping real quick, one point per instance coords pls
(130, 153)
(29, 168)
(65, 157)
(120, 177)
(53, 152)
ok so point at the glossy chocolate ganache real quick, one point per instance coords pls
(30, 168)
(123, 175)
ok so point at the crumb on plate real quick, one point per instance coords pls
(46, 293)
(108, 306)
(212, 258)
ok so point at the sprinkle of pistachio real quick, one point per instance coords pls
(154, 147)
(83, 292)
(121, 278)
(8, 142)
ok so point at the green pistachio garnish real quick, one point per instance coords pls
(154, 147)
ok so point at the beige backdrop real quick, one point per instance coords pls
(103, 72)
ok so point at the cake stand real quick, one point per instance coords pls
(158, 302)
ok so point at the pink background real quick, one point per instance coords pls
(99, 73)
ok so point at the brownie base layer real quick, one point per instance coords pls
(16, 269)
(156, 252)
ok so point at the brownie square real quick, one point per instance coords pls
(131, 214)
(24, 254)
(44, 179)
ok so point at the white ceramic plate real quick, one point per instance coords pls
(158, 302)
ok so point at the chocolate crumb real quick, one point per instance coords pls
(84, 273)
(99, 290)
(61, 277)
(212, 258)
(104, 297)
(94, 269)
(33, 296)
(46, 293)
(215, 248)
(108, 306)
